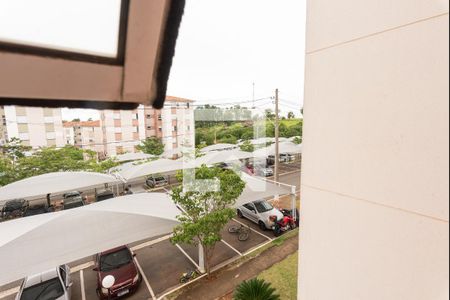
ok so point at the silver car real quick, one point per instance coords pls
(54, 284)
(259, 212)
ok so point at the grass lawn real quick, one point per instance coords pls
(283, 277)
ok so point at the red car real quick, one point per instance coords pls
(118, 262)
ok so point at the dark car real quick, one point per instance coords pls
(13, 209)
(73, 200)
(118, 262)
(104, 195)
(33, 210)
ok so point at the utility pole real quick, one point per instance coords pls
(253, 95)
(277, 138)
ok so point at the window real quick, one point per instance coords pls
(149, 127)
(88, 71)
(149, 116)
(79, 37)
(175, 128)
(22, 119)
(159, 117)
(249, 206)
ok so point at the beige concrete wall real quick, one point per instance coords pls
(375, 176)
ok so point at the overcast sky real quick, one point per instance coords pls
(224, 46)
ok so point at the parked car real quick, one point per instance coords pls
(156, 181)
(285, 157)
(37, 209)
(73, 200)
(104, 195)
(263, 170)
(54, 284)
(119, 263)
(224, 166)
(259, 212)
(13, 209)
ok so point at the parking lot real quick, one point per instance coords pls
(162, 263)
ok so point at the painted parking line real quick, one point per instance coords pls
(9, 292)
(152, 242)
(145, 279)
(83, 291)
(82, 267)
(270, 239)
(187, 255)
(232, 248)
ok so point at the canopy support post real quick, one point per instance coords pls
(294, 202)
(201, 258)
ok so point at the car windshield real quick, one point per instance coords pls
(160, 179)
(115, 260)
(48, 290)
(263, 206)
(73, 204)
(14, 205)
(72, 195)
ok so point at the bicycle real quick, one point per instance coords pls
(186, 277)
(242, 231)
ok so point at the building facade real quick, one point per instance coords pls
(174, 124)
(375, 170)
(34, 126)
(85, 135)
(123, 131)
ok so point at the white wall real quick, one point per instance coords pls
(375, 177)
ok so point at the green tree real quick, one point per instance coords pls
(48, 160)
(295, 130)
(297, 140)
(229, 139)
(247, 146)
(283, 129)
(270, 114)
(6, 170)
(206, 212)
(14, 149)
(152, 146)
(291, 115)
(255, 289)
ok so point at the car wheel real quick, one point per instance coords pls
(240, 215)
(262, 226)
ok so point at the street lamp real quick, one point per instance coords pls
(108, 283)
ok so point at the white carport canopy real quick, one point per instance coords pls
(216, 157)
(159, 166)
(53, 183)
(219, 147)
(257, 189)
(285, 147)
(34, 244)
(133, 156)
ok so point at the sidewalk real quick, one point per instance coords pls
(224, 283)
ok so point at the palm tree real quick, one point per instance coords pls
(255, 289)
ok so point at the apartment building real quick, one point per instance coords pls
(35, 126)
(122, 130)
(85, 135)
(174, 125)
